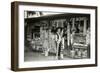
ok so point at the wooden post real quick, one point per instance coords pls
(73, 23)
(68, 32)
(84, 27)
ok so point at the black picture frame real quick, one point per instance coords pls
(15, 33)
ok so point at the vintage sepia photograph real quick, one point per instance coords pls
(52, 36)
(56, 36)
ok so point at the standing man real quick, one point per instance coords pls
(60, 43)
